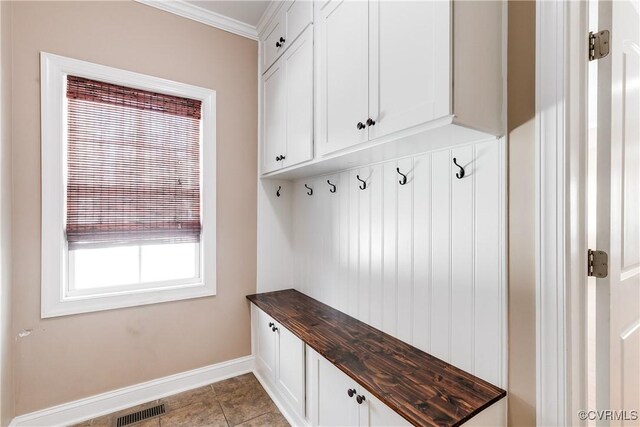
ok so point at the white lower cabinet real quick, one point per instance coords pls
(280, 359)
(315, 392)
(340, 401)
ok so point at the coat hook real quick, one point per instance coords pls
(364, 183)
(278, 192)
(403, 181)
(310, 192)
(460, 174)
(333, 190)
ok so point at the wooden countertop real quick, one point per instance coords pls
(423, 389)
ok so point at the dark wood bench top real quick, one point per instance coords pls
(423, 389)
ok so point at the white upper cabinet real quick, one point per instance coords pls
(297, 15)
(287, 112)
(409, 65)
(274, 116)
(343, 82)
(391, 78)
(288, 23)
(298, 64)
(272, 45)
(383, 67)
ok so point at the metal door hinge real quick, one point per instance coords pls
(598, 45)
(597, 264)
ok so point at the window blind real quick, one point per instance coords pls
(133, 166)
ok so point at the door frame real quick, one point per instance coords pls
(561, 220)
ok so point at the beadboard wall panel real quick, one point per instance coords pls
(422, 261)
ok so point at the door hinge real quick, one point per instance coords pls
(598, 44)
(597, 264)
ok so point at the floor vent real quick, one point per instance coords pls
(136, 417)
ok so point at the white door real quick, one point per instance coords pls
(409, 64)
(343, 83)
(374, 413)
(298, 64)
(273, 117)
(618, 212)
(265, 344)
(335, 406)
(291, 368)
(272, 45)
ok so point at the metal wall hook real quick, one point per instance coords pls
(460, 174)
(403, 181)
(310, 192)
(278, 191)
(364, 183)
(333, 190)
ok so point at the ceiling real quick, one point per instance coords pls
(246, 11)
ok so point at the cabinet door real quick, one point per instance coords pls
(273, 117)
(335, 406)
(343, 74)
(265, 345)
(291, 369)
(297, 15)
(409, 64)
(271, 46)
(374, 413)
(298, 64)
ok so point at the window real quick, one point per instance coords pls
(126, 218)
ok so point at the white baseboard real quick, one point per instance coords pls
(106, 403)
(292, 416)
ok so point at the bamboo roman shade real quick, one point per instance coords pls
(133, 166)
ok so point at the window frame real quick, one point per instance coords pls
(55, 300)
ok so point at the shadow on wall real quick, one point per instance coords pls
(521, 130)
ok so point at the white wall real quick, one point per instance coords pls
(424, 261)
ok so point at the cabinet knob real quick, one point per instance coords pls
(351, 392)
(278, 44)
(281, 39)
(277, 158)
(360, 126)
(271, 324)
(274, 329)
(360, 399)
(282, 157)
(370, 122)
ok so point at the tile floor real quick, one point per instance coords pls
(238, 401)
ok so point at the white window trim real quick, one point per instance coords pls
(54, 302)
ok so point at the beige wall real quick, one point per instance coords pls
(520, 123)
(71, 357)
(6, 371)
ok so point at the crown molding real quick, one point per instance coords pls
(196, 13)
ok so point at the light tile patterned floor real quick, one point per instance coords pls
(238, 401)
